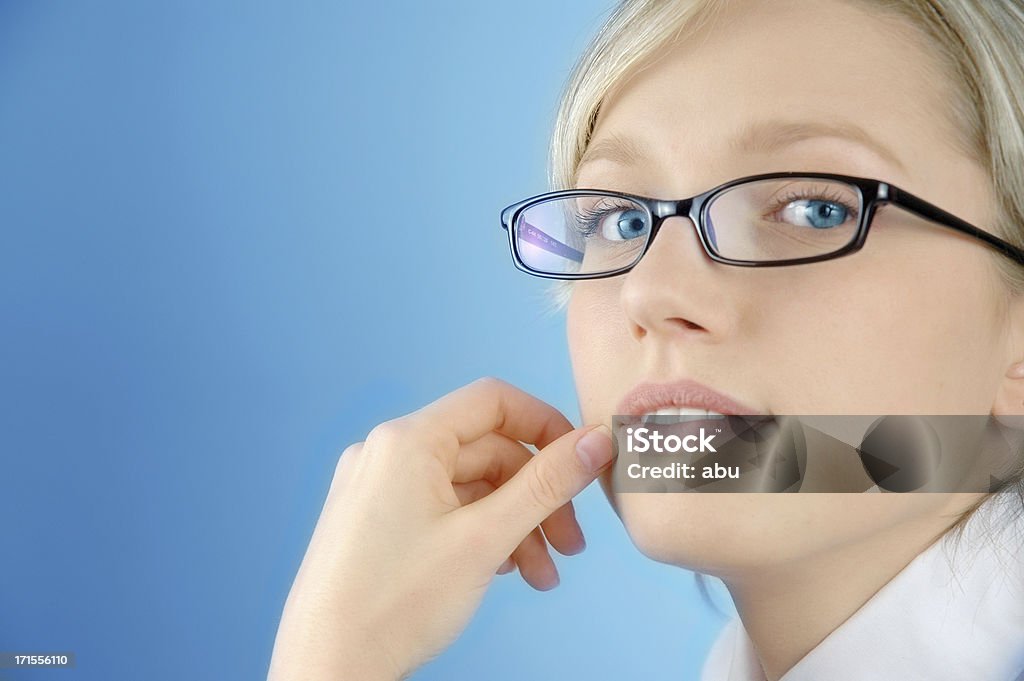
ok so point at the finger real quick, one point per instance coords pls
(535, 557)
(468, 492)
(534, 561)
(563, 531)
(489, 404)
(493, 457)
(549, 480)
(496, 458)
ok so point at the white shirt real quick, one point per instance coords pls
(955, 613)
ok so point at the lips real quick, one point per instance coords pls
(686, 395)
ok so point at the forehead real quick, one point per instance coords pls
(770, 83)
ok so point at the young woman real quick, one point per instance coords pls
(898, 121)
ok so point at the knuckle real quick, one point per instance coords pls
(388, 433)
(401, 444)
(543, 486)
(495, 390)
(347, 463)
(346, 457)
(490, 383)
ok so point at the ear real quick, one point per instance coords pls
(1008, 407)
(1008, 404)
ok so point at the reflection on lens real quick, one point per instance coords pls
(582, 234)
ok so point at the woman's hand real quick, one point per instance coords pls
(418, 520)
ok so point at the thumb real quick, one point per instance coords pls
(555, 475)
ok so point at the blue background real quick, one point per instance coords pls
(235, 236)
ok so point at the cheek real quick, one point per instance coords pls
(597, 337)
(903, 330)
(939, 340)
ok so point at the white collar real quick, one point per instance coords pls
(955, 612)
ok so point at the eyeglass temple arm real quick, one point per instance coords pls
(541, 239)
(934, 213)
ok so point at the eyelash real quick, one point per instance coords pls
(587, 221)
(812, 195)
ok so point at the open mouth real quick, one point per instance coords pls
(649, 417)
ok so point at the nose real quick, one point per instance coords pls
(676, 289)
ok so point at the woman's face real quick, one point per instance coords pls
(914, 323)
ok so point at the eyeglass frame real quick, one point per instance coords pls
(873, 193)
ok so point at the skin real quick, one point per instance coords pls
(916, 322)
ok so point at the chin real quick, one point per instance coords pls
(722, 533)
(700, 532)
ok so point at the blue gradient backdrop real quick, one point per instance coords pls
(236, 235)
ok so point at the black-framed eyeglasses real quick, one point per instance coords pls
(765, 220)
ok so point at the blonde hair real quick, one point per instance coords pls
(978, 44)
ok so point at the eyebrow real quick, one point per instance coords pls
(617, 149)
(771, 135)
(760, 137)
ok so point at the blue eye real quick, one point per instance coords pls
(816, 213)
(627, 224)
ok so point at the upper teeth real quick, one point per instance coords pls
(684, 411)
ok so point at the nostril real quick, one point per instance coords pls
(640, 330)
(687, 324)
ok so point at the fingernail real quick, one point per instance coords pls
(580, 547)
(552, 581)
(1016, 371)
(595, 448)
